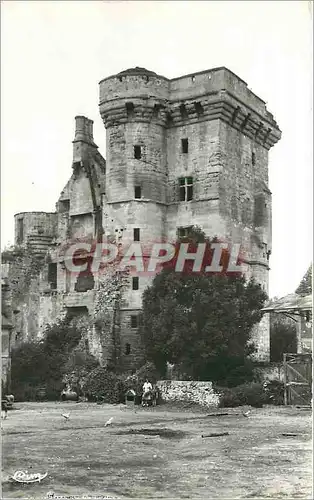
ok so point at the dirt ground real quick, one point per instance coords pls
(157, 452)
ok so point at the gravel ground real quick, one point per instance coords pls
(157, 452)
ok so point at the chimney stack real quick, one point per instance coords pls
(84, 130)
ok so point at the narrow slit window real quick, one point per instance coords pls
(129, 109)
(185, 145)
(169, 119)
(156, 110)
(52, 275)
(136, 234)
(253, 159)
(127, 349)
(137, 192)
(186, 188)
(134, 322)
(137, 152)
(135, 283)
(20, 230)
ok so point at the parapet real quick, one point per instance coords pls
(138, 94)
(133, 83)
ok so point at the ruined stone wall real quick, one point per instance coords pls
(80, 198)
(51, 309)
(34, 223)
(201, 393)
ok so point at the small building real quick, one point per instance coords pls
(299, 309)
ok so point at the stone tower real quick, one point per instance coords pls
(188, 151)
(133, 107)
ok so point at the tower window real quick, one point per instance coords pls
(253, 159)
(129, 109)
(52, 275)
(136, 234)
(198, 108)
(64, 206)
(169, 118)
(134, 322)
(137, 192)
(186, 188)
(20, 230)
(137, 152)
(127, 349)
(185, 145)
(156, 110)
(184, 232)
(135, 283)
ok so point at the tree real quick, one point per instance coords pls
(44, 362)
(198, 320)
(283, 336)
(305, 287)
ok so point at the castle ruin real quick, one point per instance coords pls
(182, 152)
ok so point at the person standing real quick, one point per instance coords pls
(147, 386)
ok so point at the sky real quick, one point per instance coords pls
(53, 55)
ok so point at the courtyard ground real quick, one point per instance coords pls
(157, 452)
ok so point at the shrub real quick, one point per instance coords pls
(252, 394)
(274, 390)
(26, 392)
(43, 363)
(78, 367)
(102, 384)
(136, 381)
(282, 339)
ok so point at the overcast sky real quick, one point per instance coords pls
(53, 54)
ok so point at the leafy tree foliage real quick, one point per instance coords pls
(201, 320)
(305, 287)
(282, 337)
(78, 367)
(43, 363)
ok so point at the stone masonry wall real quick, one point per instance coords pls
(35, 223)
(201, 393)
(229, 132)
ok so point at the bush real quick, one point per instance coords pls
(136, 381)
(246, 394)
(102, 384)
(78, 367)
(274, 390)
(26, 392)
(43, 363)
(282, 339)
